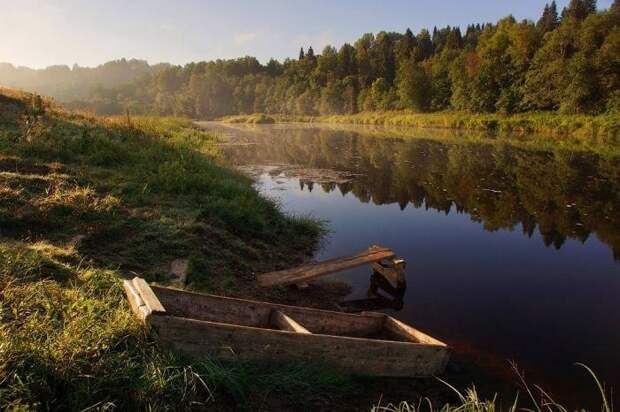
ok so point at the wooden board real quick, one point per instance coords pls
(407, 333)
(356, 355)
(257, 314)
(142, 299)
(148, 296)
(307, 272)
(283, 322)
(395, 273)
(135, 301)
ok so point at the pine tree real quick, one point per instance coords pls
(301, 54)
(310, 53)
(553, 14)
(405, 46)
(549, 18)
(453, 39)
(589, 6)
(425, 44)
(579, 9)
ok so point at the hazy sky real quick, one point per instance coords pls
(39, 33)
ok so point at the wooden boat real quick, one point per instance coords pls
(228, 329)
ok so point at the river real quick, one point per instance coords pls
(512, 253)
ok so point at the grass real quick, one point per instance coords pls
(601, 130)
(471, 402)
(251, 119)
(85, 202)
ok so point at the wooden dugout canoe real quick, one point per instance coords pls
(228, 329)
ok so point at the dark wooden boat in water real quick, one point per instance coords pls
(227, 328)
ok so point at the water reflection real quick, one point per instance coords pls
(562, 194)
(472, 220)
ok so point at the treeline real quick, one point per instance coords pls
(568, 61)
(69, 84)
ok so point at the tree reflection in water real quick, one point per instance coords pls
(561, 194)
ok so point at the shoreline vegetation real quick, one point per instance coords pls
(603, 128)
(548, 130)
(87, 201)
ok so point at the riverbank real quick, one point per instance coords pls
(600, 130)
(85, 202)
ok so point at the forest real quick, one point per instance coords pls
(567, 61)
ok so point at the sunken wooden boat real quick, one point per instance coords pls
(237, 329)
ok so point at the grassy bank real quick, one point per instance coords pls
(603, 129)
(85, 202)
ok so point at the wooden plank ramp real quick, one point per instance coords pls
(311, 271)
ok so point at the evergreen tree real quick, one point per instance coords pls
(425, 44)
(310, 54)
(406, 46)
(549, 19)
(579, 9)
(301, 54)
(589, 6)
(453, 39)
(471, 36)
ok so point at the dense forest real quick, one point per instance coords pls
(567, 61)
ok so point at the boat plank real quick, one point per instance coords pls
(311, 271)
(356, 355)
(257, 314)
(407, 333)
(135, 301)
(149, 298)
(284, 322)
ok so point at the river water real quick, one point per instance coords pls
(512, 253)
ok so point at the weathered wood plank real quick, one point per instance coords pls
(407, 333)
(257, 314)
(395, 272)
(307, 272)
(283, 322)
(356, 355)
(135, 301)
(149, 298)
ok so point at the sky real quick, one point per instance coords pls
(38, 33)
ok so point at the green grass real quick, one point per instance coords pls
(85, 202)
(590, 131)
(251, 119)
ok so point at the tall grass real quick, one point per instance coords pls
(599, 130)
(258, 118)
(471, 402)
